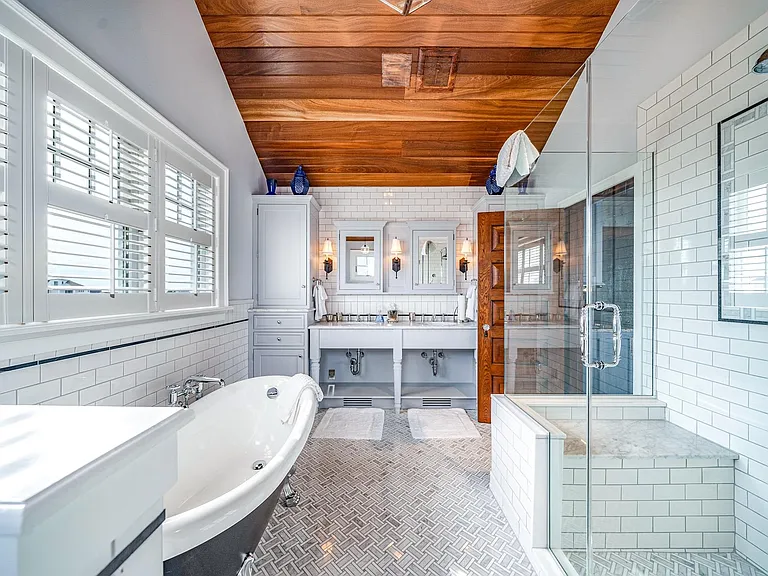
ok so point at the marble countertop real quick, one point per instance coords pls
(47, 451)
(395, 325)
(638, 439)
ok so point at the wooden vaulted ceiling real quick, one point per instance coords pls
(307, 77)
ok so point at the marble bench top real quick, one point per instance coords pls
(638, 439)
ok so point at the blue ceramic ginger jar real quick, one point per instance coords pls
(300, 182)
(490, 184)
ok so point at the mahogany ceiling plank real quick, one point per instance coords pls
(373, 8)
(396, 23)
(315, 133)
(338, 110)
(413, 179)
(373, 54)
(541, 39)
(380, 164)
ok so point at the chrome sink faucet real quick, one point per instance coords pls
(192, 386)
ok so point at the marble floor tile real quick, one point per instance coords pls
(398, 506)
(649, 563)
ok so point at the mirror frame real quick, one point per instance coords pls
(434, 228)
(360, 228)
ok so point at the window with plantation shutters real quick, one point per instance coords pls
(99, 210)
(189, 255)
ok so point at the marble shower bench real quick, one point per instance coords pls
(654, 484)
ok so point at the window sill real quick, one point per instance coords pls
(22, 341)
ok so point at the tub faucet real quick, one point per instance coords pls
(192, 386)
(198, 381)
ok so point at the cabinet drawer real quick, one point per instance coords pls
(278, 322)
(293, 339)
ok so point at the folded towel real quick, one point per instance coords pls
(472, 303)
(320, 296)
(517, 159)
(303, 381)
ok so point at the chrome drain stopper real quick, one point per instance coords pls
(258, 465)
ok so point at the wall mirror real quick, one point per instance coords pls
(530, 251)
(360, 256)
(743, 222)
(433, 255)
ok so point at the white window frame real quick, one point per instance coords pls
(33, 46)
(11, 297)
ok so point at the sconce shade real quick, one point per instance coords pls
(397, 249)
(327, 248)
(761, 66)
(466, 247)
(560, 249)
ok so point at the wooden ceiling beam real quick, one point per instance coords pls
(542, 39)
(395, 23)
(380, 164)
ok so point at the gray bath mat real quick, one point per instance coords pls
(447, 423)
(351, 424)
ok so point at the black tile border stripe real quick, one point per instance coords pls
(115, 347)
(128, 551)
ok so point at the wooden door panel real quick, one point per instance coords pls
(490, 344)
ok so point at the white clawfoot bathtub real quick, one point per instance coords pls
(219, 493)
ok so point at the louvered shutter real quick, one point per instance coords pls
(189, 234)
(99, 204)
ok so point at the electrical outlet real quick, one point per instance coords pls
(331, 374)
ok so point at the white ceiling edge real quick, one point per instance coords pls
(646, 45)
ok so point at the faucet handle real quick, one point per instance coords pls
(174, 387)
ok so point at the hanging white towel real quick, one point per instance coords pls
(472, 303)
(516, 160)
(320, 296)
(302, 381)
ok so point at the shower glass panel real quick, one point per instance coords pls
(546, 289)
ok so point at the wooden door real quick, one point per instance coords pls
(281, 275)
(490, 311)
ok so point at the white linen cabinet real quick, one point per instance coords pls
(286, 256)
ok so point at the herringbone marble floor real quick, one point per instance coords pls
(394, 507)
(644, 563)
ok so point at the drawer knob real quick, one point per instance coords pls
(278, 339)
(279, 321)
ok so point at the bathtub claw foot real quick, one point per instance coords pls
(288, 496)
(249, 566)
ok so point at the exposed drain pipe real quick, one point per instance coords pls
(355, 361)
(434, 360)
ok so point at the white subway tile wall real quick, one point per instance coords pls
(394, 205)
(663, 504)
(134, 375)
(711, 374)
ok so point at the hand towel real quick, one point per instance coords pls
(517, 159)
(472, 303)
(304, 382)
(320, 296)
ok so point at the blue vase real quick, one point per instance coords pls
(300, 182)
(490, 184)
(271, 186)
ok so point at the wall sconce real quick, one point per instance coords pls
(761, 66)
(560, 252)
(466, 251)
(328, 253)
(396, 251)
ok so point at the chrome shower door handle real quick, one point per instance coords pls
(616, 335)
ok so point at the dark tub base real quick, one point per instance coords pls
(223, 554)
